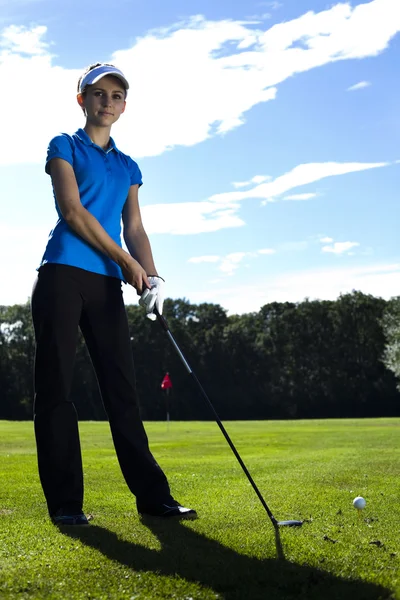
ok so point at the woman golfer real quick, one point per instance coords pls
(79, 286)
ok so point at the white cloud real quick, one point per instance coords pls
(359, 86)
(259, 17)
(272, 5)
(204, 259)
(231, 262)
(17, 272)
(241, 184)
(260, 178)
(299, 176)
(340, 247)
(380, 280)
(187, 218)
(220, 210)
(256, 179)
(20, 40)
(266, 251)
(176, 68)
(300, 196)
(337, 248)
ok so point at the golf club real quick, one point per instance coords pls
(275, 523)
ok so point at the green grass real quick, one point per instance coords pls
(308, 470)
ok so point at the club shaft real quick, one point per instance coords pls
(164, 324)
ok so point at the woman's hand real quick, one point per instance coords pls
(153, 298)
(135, 275)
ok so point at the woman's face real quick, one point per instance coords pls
(104, 102)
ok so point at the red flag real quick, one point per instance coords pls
(166, 382)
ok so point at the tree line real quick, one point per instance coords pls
(311, 359)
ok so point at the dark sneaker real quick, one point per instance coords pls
(61, 519)
(171, 509)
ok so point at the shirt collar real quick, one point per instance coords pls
(83, 136)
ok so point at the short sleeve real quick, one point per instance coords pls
(135, 173)
(60, 147)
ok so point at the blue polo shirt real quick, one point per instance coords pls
(104, 178)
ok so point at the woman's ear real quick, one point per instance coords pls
(81, 102)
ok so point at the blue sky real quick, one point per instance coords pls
(267, 134)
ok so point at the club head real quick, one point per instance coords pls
(289, 523)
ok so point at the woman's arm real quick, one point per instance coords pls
(87, 226)
(135, 236)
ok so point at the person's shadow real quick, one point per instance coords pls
(196, 558)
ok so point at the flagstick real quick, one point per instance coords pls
(167, 398)
(166, 385)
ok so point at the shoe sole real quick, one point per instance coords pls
(60, 523)
(71, 525)
(177, 517)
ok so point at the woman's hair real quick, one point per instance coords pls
(88, 69)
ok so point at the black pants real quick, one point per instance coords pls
(64, 299)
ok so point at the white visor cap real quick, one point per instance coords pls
(98, 73)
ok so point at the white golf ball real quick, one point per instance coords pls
(359, 502)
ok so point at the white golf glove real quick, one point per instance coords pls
(153, 297)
